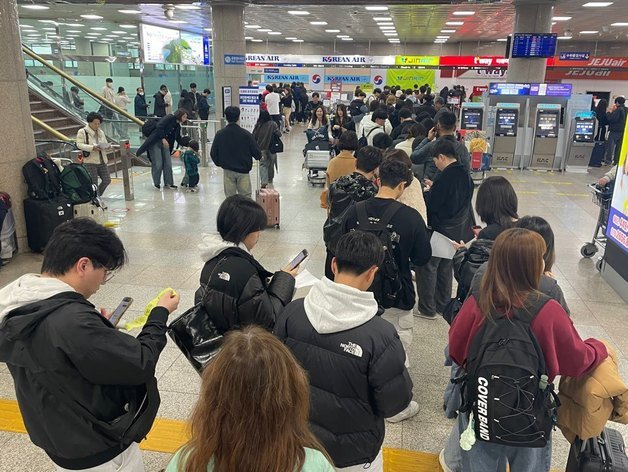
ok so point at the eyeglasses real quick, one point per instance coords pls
(109, 274)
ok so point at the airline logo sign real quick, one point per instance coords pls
(347, 60)
(286, 78)
(597, 62)
(316, 79)
(348, 79)
(417, 60)
(378, 80)
(473, 61)
(271, 58)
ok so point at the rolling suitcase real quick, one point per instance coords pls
(89, 210)
(605, 453)
(42, 217)
(597, 155)
(268, 199)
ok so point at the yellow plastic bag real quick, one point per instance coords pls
(142, 319)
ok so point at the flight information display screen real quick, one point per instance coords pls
(585, 129)
(471, 119)
(500, 88)
(534, 44)
(506, 123)
(547, 125)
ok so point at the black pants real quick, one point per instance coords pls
(434, 281)
(193, 180)
(601, 133)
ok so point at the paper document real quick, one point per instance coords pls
(442, 246)
(104, 145)
(304, 279)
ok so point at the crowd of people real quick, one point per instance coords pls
(302, 384)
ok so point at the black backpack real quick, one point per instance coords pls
(77, 185)
(43, 178)
(506, 385)
(387, 283)
(363, 141)
(149, 126)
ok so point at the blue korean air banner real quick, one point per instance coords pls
(277, 78)
(348, 79)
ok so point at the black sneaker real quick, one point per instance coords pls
(173, 187)
(158, 186)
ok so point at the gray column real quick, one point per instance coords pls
(227, 38)
(16, 129)
(531, 16)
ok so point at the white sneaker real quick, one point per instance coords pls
(441, 461)
(411, 410)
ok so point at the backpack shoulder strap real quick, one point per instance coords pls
(363, 219)
(369, 133)
(86, 136)
(390, 212)
(534, 304)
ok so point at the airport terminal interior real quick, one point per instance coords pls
(529, 81)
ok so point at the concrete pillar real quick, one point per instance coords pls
(531, 16)
(227, 38)
(16, 128)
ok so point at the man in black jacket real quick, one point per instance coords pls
(449, 212)
(354, 358)
(409, 239)
(616, 125)
(141, 107)
(234, 149)
(160, 101)
(401, 130)
(80, 382)
(203, 105)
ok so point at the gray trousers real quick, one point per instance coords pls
(267, 167)
(102, 171)
(436, 279)
(161, 162)
(613, 147)
(236, 183)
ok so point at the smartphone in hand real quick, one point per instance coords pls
(120, 310)
(298, 259)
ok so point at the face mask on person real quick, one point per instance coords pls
(141, 94)
(109, 84)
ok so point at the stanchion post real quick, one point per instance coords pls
(127, 175)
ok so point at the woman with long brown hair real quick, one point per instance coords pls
(510, 288)
(252, 412)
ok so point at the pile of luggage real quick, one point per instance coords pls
(56, 195)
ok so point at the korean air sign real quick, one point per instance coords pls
(348, 79)
(345, 60)
(316, 79)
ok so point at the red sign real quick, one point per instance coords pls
(473, 61)
(585, 74)
(594, 62)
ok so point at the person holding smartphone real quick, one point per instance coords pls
(86, 391)
(234, 287)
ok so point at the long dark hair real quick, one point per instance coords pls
(497, 202)
(252, 412)
(343, 107)
(541, 226)
(324, 120)
(264, 117)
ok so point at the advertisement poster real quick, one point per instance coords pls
(249, 107)
(617, 228)
(406, 78)
(168, 46)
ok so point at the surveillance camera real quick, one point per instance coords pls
(568, 33)
(605, 29)
(169, 11)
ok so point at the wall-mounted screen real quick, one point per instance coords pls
(497, 88)
(551, 90)
(534, 44)
(168, 46)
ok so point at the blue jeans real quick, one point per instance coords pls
(161, 162)
(489, 457)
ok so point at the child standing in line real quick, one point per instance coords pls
(191, 161)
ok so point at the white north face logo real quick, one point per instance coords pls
(224, 276)
(352, 348)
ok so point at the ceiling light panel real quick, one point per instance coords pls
(91, 17)
(455, 23)
(130, 12)
(332, 31)
(383, 18)
(561, 18)
(318, 23)
(35, 7)
(298, 12)
(376, 8)
(464, 13)
(597, 4)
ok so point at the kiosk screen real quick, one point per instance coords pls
(584, 131)
(547, 126)
(471, 119)
(506, 123)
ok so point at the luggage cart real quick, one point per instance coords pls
(601, 197)
(317, 155)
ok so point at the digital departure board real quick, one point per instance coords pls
(534, 44)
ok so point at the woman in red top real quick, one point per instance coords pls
(513, 275)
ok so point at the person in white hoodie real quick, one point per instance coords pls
(86, 391)
(377, 123)
(354, 358)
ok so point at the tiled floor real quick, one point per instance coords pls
(161, 230)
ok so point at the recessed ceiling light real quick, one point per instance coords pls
(48, 21)
(248, 38)
(298, 12)
(93, 34)
(387, 28)
(187, 7)
(130, 12)
(49, 29)
(589, 32)
(597, 4)
(388, 23)
(91, 17)
(297, 40)
(264, 30)
(343, 36)
(75, 31)
(118, 32)
(318, 23)
(207, 29)
(464, 13)
(274, 33)
(26, 26)
(502, 40)
(455, 23)
(443, 37)
(564, 37)
(291, 38)
(252, 26)
(561, 18)
(75, 25)
(98, 28)
(128, 26)
(332, 31)
(391, 34)
(257, 40)
(34, 34)
(376, 8)
(447, 31)
(35, 7)
(347, 39)
(619, 24)
(383, 18)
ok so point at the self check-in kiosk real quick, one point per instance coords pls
(581, 142)
(472, 116)
(547, 126)
(505, 135)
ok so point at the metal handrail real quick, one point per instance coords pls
(54, 132)
(85, 89)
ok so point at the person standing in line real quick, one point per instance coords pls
(342, 164)
(272, 100)
(602, 120)
(264, 130)
(160, 102)
(287, 101)
(448, 201)
(121, 125)
(195, 96)
(80, 382)
(107, 113)
(168, 100)
(140, 105)
(353, 357)
(191, 161)
(234, 149)
(92, 139)
(203, 105)
(616, 125)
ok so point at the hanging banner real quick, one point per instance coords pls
(586, 74)
(407, 78)
(473, 61)
(348, 79)
(249, 107)
(595, 62)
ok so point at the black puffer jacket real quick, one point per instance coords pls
(355, 362)
(466, 264)
(236, 288)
